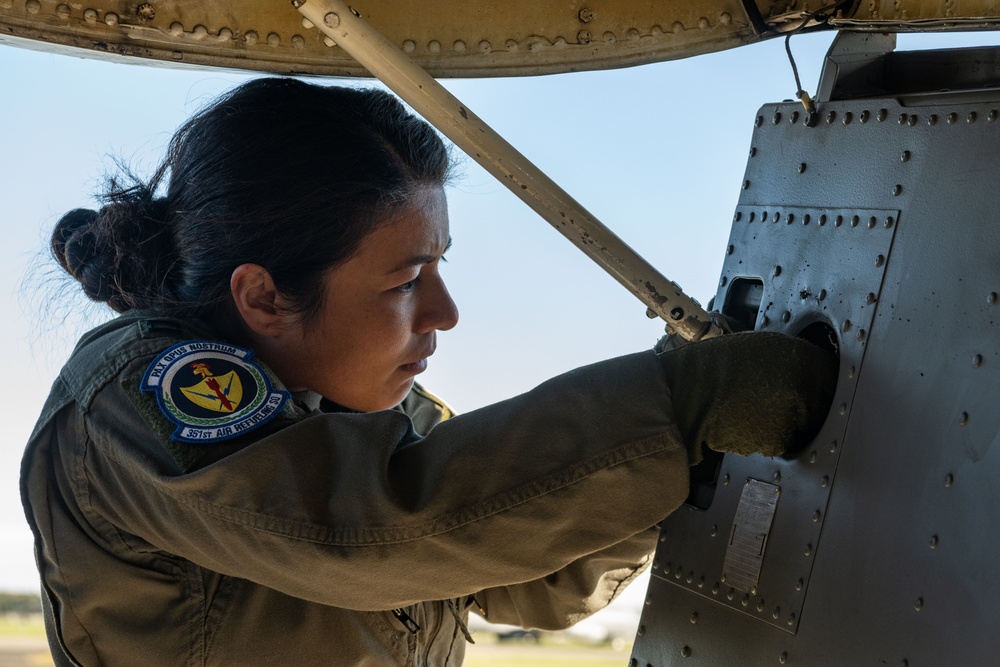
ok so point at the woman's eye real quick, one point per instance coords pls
(407, 286)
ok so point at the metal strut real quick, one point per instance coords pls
(389, 64)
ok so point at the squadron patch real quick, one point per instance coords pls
(212, 390)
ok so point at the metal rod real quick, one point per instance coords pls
(664, 298)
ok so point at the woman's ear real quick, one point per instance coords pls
(257, 299)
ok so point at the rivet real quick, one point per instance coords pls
(758, 121)
(992, 116)
(409, 46)
(746, 185)
(776, 118)
(905, 157)
(633, 663)
(307, 24)
(964, 419)
(904, 663)
(485, 46)
(833, 446)
(897, 190)
(919, 604)
(816, 516)
(62, 11)
(808, 550)
(861, 334)
(889, 221)
(225, 34)
(992, 298)
(848, 117)
(791, 619)
(809, 119)
(434, 46)
(730, 249)
(90, 15)
(851, 372)
(510, 45)
(949, 479)
(786, 316)
(864, 116)
(977, 361)
(33, 6)
(832, 116)
(793, 118)
(783, 658)
(799, 584)
(952, 118)
(641, 630)
(686, 652)
(880, 260)
(776, 477)
(249, 37)
(934, 542)
(656, 563)
(690, 577)
(110, 18)
(329, 42)
(737, 216)
(701, 582)
(932, 119)
(777, 271)
(839, 221)
(822, 294)
(714, 530)
(802, 167)
(855, 220)
(825, 482)
(459, 46)
(722, 281)
(971, 118)
(746, 600)
(903, 118)
(870, 299)
(298, 41)
(776, 613)
(822, 220)
(649, 600)
(273, 39)
(912, 120)
(842, 410)
(199, 32)
(753, 151)
(332, 20)
(715, 588)
(753, 214)
(813, 456)
(731, 594)
(872, 221)
(725, 18)
(677, 27)
(882, 115)
(678, 572)
(763, 216)
(846, 326)
(725, 479)
(805, 219)
(586, 15)
(703, 23)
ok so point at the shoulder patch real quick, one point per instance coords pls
(212, 391)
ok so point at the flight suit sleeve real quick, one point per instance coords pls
(567, 596)
(361, 512)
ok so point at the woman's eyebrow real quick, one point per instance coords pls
(417, 260)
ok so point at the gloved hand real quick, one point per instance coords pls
(753, 392)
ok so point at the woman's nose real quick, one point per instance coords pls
(440, 312)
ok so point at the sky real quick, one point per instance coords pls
(656, 152)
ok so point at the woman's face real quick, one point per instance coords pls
(381, 312)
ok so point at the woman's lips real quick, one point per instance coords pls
(416, 367)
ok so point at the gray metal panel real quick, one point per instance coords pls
(900, 565)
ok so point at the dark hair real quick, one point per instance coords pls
(277, 172)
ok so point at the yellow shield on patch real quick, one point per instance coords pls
(219, 394)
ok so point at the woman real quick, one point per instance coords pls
(240, 468)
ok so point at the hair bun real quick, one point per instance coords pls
(78, 249)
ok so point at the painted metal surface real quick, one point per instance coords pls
(452, 38)
(885, 538)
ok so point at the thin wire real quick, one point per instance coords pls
(818, 15)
